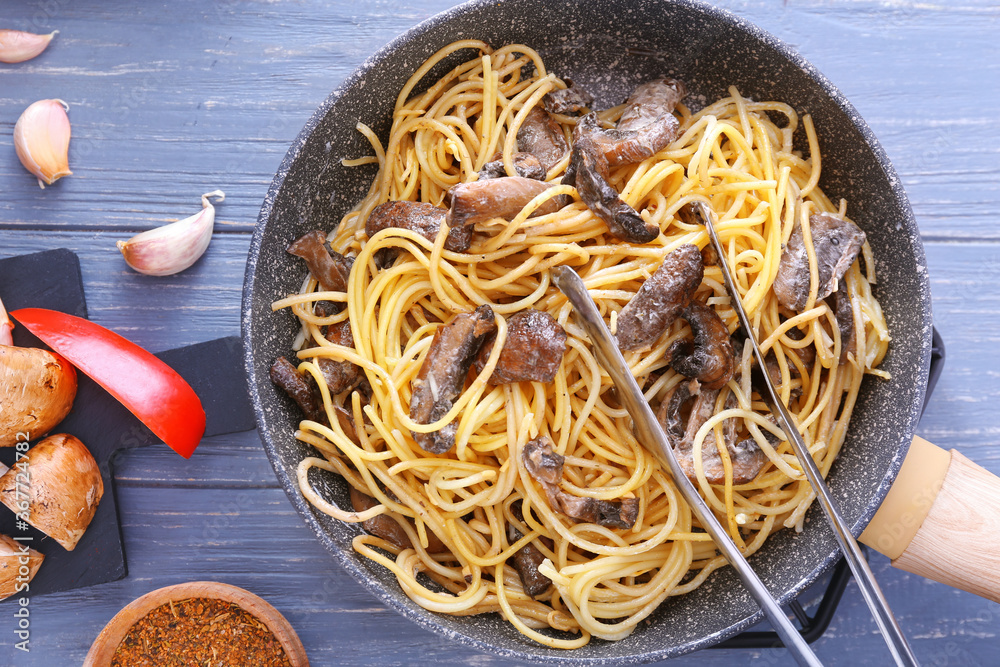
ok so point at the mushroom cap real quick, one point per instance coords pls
(64, 488)
(10, 565)
(37, 388)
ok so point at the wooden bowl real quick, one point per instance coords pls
(104, 647)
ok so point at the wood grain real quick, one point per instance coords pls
(170, 100)
(956, 543)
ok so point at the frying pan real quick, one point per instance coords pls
(610, 46)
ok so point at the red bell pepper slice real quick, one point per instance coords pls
(150, 389)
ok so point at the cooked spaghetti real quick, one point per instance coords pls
(455, 507)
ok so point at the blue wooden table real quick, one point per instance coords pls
(178, 98)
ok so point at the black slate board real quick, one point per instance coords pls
(52, 279)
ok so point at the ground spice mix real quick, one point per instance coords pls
(200, 631)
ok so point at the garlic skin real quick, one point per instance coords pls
(17, 46)
(172, 248)
(41, 139)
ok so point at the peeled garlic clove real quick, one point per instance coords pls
(65, 488)
(17, 46)
(41, 138)
(172, 248)
(18, 566)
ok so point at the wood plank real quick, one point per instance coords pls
(178, 102)
(170, 100)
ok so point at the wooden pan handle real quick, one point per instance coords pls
(941, 520)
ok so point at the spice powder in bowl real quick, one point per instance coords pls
(202, 631)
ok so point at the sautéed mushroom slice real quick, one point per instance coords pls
(836, 243)
(533, 350)
(546, 467)
(660, 300)
(442, 376)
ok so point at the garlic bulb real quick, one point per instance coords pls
(41, 138)
(17, 46)
(66, 487)
(172, 248)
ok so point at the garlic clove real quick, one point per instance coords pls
(172, 248)
(41, 138)
(17, 46)
(12, 559)
(66, 487)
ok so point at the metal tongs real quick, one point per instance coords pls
(649, 433)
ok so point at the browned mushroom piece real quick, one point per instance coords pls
(806, 355)
(346, 422)
(388, 528)
(710, 357)
(646, 127)
(570, 100)
(340, 375)
(545, 467)
(683, 412)
(424, 219)
(442, 376)
(660, 300)
(330, 268)
(480, 201)
(588, 171)
(836, 243)
(533, 350)
(844, 312)
(541, 136)
(299, 388)
(526, 165)
(652, 103)
(527, 559)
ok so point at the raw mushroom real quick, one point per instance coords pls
(588, 172)
(836, 243)
(711, 357)
(681, 425)
(37, 388)
(533, 350)
(660, 300)
(18, 565)
(424, 219)
(442, 375)
(65, 489)
(545, 467)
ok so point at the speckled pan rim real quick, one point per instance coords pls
(392, 597)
